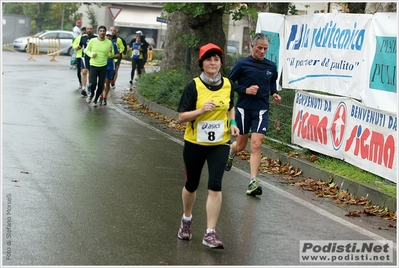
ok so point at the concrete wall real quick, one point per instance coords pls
(238, 31)
(15, 26)
(102, 17)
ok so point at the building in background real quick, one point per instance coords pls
(130, 18)
(14, 26)
(149, 18)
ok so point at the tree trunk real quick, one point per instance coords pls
(39, 20)
(225, 26)
(356, 7)
(206, 28)
(280, 8)
(174, 55)
(372, 8)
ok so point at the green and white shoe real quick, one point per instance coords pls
(229, 162)
(254, 188)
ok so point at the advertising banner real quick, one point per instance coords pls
(381, 90)
(371, 140)
(318, 122)
(348, 55)
(346, 129)
(326, 52)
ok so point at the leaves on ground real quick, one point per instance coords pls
(293, 175)
(320, 188)
(341, 197)
(130, 99)
(313, 158)
(277, 125)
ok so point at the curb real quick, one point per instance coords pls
(358, 189)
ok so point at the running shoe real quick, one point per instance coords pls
(95, 104)
(229, 162)
(89, 99)
(212, 240)
(101, 101)
(254, 188)
(105, 101)
(84, 94)
(185, 230)
(131, 82)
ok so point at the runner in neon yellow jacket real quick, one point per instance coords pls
(99, 50)
(79, 52)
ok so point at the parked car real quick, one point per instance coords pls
(232, 50)
(65, 37)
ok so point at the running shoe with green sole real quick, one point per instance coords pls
(254, 189)
(229, 163)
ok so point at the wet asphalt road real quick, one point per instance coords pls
(97, 186)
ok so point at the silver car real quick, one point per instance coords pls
(65, 37)
(232, 50)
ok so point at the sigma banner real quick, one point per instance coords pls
(381, 90)
(312, 125)
(272, 25)
(326, 52)
(346, 129)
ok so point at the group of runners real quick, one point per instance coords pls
(98, 57)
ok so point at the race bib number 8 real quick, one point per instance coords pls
(210, 131)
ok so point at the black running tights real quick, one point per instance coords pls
(195, 155)
(97, 77)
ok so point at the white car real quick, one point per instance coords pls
(65, 37)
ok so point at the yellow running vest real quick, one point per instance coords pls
(210, 128)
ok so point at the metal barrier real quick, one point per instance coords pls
(154, 59)
(35, 43)
(33, 47)
(54, 47)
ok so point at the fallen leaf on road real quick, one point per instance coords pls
(355, 213)
(313, 158)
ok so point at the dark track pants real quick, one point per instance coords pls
(97, 77)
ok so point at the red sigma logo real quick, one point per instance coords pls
(338, 125)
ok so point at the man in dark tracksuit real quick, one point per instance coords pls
(257, 81)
